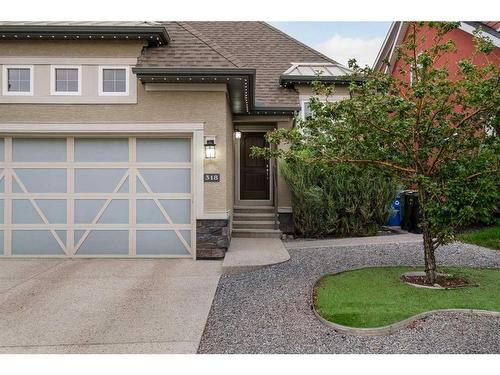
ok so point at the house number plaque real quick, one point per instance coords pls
(211, 177)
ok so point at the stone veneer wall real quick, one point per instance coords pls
(212, 238)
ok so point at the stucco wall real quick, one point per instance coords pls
(59, 48)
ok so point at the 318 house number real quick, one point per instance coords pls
(211, 177)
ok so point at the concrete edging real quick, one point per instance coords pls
(391, 328)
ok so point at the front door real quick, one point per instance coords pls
(254, 172)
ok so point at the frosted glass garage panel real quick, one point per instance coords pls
(164, 150)
(1, 210)
(148, 212)
(105, 242)
(41, 180)
(1, 242)
(54, 210)
(179, 210)
(115, 213)
(93, 180)
(35, 242)
(39, 150)
(174, 180)
(2, 149)
(23, 212)
(162, 242)
(87, 209)
(101, 150)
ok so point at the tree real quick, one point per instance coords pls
(436, 133)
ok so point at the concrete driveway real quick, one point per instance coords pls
(105, 305)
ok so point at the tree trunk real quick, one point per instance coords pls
(429, 258)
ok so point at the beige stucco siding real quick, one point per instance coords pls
(83, 48)
(207, 107)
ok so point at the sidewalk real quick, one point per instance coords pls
(353, 241)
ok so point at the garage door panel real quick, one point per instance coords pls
(101, 150)
(102, 180)
(115, 213)
(104, 242)
(38, 150)
(162, 242)
(172, 150)
(173, 180)
(35, 242)
(87, 209)
(76, 199)
(23, 212)
(40, 180)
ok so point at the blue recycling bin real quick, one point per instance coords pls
(395, 219)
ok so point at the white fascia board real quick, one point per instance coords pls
(470, 30)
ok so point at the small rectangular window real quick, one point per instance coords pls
(66, 80)
(18, 80)
(113, 80)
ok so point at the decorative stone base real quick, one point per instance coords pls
(212, 238)
(286, 222)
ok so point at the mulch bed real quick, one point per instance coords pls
(442, 281)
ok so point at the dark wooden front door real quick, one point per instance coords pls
(254, 172)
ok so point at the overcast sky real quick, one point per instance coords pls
(340, 40)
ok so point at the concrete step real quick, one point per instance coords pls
(253, 209)
(253, 224)
(243, 216)
(256, 233)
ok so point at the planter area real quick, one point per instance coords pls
(377, 297)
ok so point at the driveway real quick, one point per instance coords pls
(105, 305)
(268, 310)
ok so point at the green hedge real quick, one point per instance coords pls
(342, 200)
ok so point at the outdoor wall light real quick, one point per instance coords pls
(210, 149)
(237, 134)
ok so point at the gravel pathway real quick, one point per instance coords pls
(268, 310)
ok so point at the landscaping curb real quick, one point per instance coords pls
(392, 328)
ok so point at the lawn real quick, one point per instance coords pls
(487, 237)
(375, 297)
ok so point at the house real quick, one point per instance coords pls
(133, 139)
(462, 36)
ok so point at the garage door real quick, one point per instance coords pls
(89, 196)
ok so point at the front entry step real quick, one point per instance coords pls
(255, 222)
(256, 233)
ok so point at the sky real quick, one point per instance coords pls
(340, 40)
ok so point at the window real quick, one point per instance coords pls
(113, 80)
(306, 110)
(17, 80)
(66, 80)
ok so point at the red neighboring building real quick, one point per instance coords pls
(462, 36)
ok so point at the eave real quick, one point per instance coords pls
(240, 83)
(153, 35)
(290, 81)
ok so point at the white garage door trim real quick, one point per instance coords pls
(194, 132)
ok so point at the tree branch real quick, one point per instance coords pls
(375, 162)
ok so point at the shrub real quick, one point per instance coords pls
(343, 200)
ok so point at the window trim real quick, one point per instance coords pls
(127, 79)
(53, 80)
(5, 80)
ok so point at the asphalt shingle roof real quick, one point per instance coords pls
(255, 45)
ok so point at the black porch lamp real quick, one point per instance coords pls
(210, 149)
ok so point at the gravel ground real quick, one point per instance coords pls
(268, 310)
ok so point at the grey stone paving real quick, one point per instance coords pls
(268, 310)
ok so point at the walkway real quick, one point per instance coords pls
(246, 254)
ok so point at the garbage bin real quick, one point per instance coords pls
(410, 209)
(395, 219)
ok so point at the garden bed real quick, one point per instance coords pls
(376, 297)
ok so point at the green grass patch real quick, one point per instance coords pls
(487, 237)
(375, 297)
